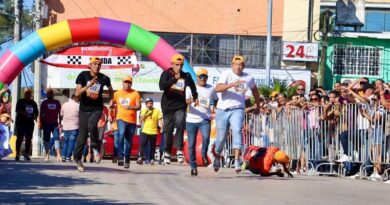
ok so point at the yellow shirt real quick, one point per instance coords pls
(123, 98)
(151, 121)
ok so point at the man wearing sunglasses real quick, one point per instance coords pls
(231, 88)
(173, 82)
(198, 117)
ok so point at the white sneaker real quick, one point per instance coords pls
(167, 158)
(180, 156)
(344, 158)
(375, 177)
(387, 182)
(356, 176)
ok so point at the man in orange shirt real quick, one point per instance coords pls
(128, 101)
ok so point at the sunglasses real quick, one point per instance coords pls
(203, 77)
(128, 82)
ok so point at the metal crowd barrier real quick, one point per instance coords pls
(315, 138)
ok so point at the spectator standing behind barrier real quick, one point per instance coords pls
(115, 133)
(198, 117)
(5, 104)
(128, 101)
(150, 119)
(50, 122)
(70, 126)
(102, 124)
(173, 104)
(26, 114)
(90, 90)
(232, 86)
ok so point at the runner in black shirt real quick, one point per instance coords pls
(90, 89)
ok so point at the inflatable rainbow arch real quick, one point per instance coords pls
(67, 32)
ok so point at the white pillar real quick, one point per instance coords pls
(36, 144)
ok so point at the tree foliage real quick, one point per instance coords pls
(7, 20)
(277, 86)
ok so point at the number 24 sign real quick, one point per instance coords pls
(296, 51)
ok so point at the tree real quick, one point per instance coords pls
(277, 86)
(7, 19)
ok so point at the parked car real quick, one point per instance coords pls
(108, 145)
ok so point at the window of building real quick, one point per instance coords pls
(375, 20)
(218, 50)
(357, 60)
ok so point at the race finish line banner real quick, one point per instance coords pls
(64, 66)
(78, 57)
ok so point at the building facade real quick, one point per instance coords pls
(208, 33)
(353, 54)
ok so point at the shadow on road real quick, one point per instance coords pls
(26, 183)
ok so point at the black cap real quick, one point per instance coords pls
(148, 100)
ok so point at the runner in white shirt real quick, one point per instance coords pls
(198, 117)
(231, 88)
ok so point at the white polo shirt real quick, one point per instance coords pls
(203, 111)
(234, 97)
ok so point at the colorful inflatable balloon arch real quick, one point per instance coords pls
(86, 30)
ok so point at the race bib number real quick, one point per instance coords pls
(124, 101)
(29, 109)
(242, 88)
(204, 102)
(52, 106)
(93, 91)
(180, 85)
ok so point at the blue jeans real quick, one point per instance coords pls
(126, 132)
(70, 137)
(48, 129)
(116, 140)
(225, 119)
(192, 132)
(344, 141)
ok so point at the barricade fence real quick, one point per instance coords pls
(318, 136)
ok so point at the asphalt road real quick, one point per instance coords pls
(40, 182)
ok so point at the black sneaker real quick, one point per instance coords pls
(27, 158)
(115, 160)
(63, 159)
(127, 164)
(140, 161)
(194, 172)
(205, 161)
(17, 158)
(167, 158)
(121, 163)
(217, 163)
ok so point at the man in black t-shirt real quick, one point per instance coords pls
(26, 114)
(89, 88)
(173, 105)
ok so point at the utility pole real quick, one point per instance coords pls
(310, 29)
(324, 31)
(310, 22)
(269, 39)
(18, 5)
(36, 151)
